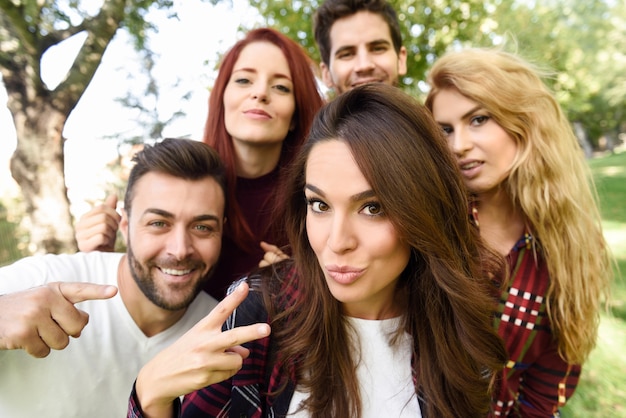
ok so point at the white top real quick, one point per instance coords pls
(384, 373)
(94, 375)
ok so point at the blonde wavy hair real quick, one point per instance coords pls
(550, 181)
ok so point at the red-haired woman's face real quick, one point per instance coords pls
(259, 103)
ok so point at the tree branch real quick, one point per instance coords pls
(100, 32)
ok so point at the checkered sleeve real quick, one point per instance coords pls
(536, 381)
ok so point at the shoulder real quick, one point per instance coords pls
(272, 289)
(252, 309)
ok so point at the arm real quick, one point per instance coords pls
(43, 318)
(547, 384)
(97, 229)
(203, 356)
(537, 382)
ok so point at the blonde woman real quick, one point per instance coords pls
(533, 199)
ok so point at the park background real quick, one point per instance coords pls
(154, 78)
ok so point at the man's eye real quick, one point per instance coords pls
(204, 228)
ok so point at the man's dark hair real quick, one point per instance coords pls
(332, 10)
(181, 158)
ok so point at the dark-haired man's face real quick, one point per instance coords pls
(174, 237)
(361, 52)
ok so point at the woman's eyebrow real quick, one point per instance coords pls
(367, 194)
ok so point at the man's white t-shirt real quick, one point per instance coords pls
(93, 376)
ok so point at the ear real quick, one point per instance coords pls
(326, 76)
(402, 61)
(124, 226)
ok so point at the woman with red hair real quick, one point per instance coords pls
(260, 111)
(257, 147)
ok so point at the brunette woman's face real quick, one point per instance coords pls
(259, 103)
(356, 244)
(484, 150)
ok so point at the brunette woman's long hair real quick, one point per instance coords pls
(307, 100)
(445, 292)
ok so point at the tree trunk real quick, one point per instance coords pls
(27, 31)
(37, 166)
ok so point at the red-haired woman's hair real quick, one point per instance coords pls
(308, 100)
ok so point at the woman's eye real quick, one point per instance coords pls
(317, 206)
(283, 89)
(446, 130)
(242, 81)
(479, 120)
(373, 209)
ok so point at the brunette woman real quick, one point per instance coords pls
(384, 308)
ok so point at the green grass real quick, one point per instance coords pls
(602, 388)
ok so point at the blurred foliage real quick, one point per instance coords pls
(12, 239)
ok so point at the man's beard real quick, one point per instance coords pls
(142, 276)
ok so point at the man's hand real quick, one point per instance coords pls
(201, 357)
(43, 318)
(97, 229)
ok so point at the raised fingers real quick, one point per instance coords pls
(97, 228)
(225, 308)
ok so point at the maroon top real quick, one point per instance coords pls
(255, 200)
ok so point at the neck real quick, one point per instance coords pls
(150, 318)
(256, 160)
(501, 222)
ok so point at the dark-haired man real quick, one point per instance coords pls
(172, 223)
(359, 42)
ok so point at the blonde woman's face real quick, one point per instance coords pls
(484, 150)
(356, 244)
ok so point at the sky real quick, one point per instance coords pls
(187, 50)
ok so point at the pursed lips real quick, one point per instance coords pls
(344, 274)
(257, 113)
